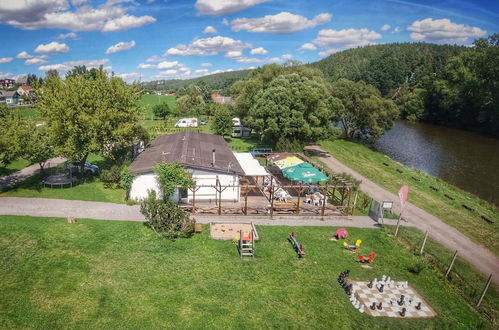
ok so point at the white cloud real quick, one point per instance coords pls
(78, 2)
(259, 51)
(209, 30)
(167, 65)
(23, 54)
(385, 27)
(328, 52)
(71, 35)
(396, 30)
(225, 22)
(202, 71)
(208, 46)
(234, 54)
(5, 59)
(184, 69)
(34, 61)
(66, 66)
(223, 7)
(206, 65)
(53, 47)
(287, 56)
(346, 38)
(129, 77)
(308, 46)
(120, 46)
(155, 58)
(4, 75)
(443, 30)
(243, 59)
(283, 22)
(58, 14)
(147, 66)
(127, 22)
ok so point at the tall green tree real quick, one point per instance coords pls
(37, 147)
(364, 113)
(161, 110)
(85, 115)
(287, 105)
(11, 138)
(222, 121)
(192, 102)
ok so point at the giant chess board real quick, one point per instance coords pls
(390, 297)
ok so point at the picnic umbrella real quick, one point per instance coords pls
(288, 162)
(304, 172)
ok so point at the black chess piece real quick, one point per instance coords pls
(373, 306)
(370, 285)
(418, 306)
(349, 289)
(380, 306)
(381, 288)
(401, 301)
(347, 272)
(402, 313)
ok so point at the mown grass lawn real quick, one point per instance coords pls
(107, 274)
(370, 164)
(148, 101)
(15, 166)
(27, 112)
(88, 189)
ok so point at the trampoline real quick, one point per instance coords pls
(59, 181)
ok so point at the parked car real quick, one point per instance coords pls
(89, 168)
(203, 122)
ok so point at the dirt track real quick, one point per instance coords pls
(477, 255)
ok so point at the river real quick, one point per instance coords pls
(465, 159)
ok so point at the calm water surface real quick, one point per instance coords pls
(467, 160)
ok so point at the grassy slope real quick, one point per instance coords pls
(99, 274)
(370, 164)
(91, 189)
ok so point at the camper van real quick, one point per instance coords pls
(187, 122)
(236, 122)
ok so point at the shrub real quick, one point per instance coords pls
(111, 177)
(418, 266)
(165, 217)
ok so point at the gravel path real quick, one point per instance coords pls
(477, 255)
(47, 207)
(9, 180)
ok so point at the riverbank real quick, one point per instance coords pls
(435, 196)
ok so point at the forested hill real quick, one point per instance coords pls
(388, 66)
(218, 82)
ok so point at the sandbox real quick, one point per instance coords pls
(229, 231)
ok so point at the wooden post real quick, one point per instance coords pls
(355, 201)
(300, 190)
(398, 224)
(324, 201)
(451, 264)
(484, 291)
(271, 196)
(246, 201)
(194, 201)
(349, 196)
(424, 242)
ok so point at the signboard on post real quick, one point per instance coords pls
(387, 205)
(403, 195)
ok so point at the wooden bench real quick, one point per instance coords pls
(297, 247)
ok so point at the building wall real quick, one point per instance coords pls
(209, 194)
(144, 182)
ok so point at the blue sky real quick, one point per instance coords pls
(165, 39)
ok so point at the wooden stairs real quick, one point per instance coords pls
(246, 244)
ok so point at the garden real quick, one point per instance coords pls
(109, 274)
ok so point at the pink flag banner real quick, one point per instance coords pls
(404, 195)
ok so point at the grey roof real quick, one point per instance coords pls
(8, 93)
(190, 149)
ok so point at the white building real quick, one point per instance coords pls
(206, 156)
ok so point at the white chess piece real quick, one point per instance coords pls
(361, 308)
(383, 278)
(388, 279)
(352, 298)
(357, 305)
(375, 281)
